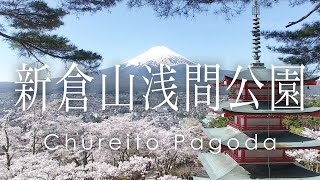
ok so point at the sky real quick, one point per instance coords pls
(124, 33)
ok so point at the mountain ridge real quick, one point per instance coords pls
(136, 66)
(158, 55)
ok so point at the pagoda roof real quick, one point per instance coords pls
(217, 165)
(277, 172)
(265, 108)
(223, 167)
(265, 75)
(284, 139)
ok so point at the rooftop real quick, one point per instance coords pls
(284, 139)
(223, 167)
(265, 108)
(265, 75)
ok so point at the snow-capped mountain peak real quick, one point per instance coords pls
(158, 55)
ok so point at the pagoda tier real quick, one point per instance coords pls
(264, 75)
(265, 109)
(248, 118)
(252, 122)
(284, 139)
(242, 155)
(223, 167)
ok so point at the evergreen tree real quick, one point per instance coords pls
(300, 46)
(229, 8)
(27, 24)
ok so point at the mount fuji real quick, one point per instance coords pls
(151, 58)
(137, 67)
(158, 55)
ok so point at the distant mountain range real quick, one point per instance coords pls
(137, 67)
(152, 58)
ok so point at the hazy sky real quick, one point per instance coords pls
(124, 33)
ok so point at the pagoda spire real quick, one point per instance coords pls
(256, 35)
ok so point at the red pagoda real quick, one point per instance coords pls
(247, 121)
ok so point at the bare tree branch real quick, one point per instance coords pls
(304, 17)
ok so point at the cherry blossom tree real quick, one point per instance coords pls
(10, 140)
(88, 154)
(307, 156)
